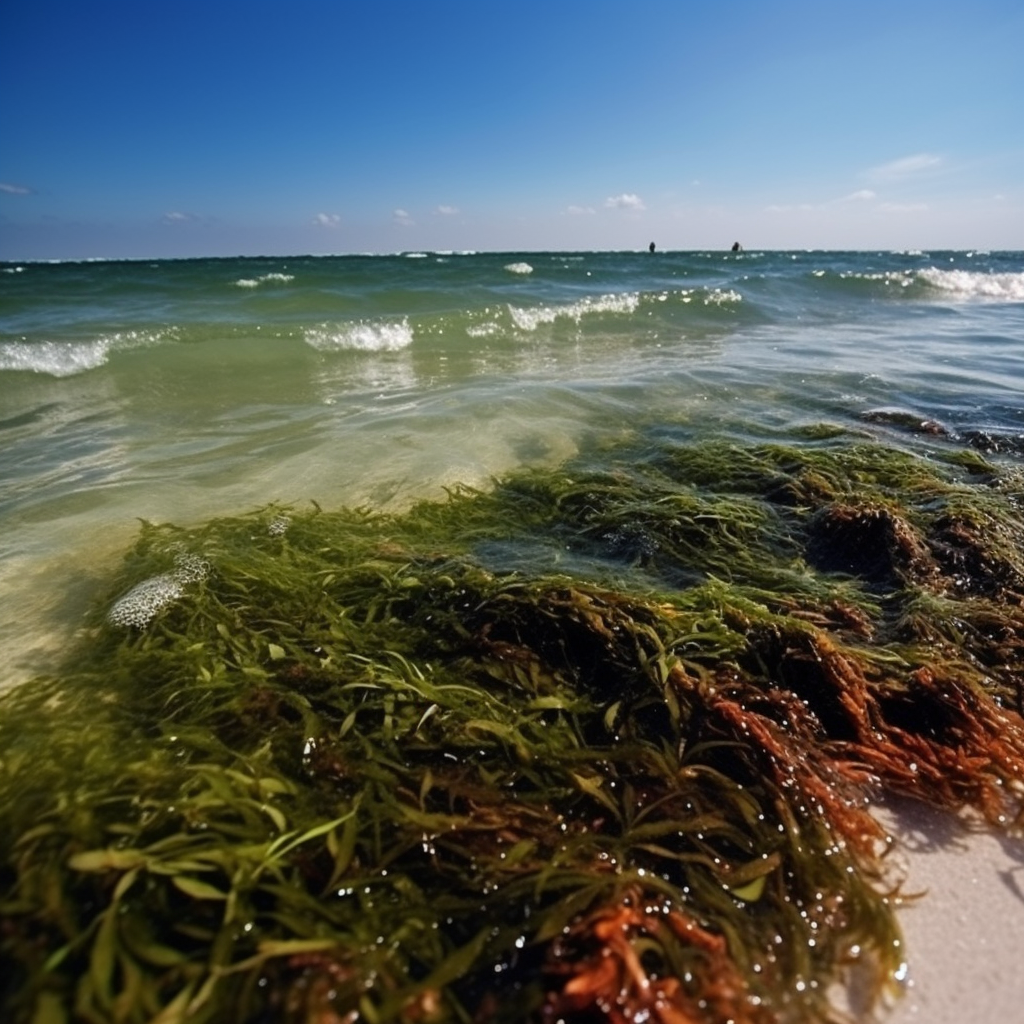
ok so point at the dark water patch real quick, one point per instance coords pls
(29, 418)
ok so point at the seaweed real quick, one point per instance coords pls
(598, 743)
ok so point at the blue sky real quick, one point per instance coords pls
(155, 128)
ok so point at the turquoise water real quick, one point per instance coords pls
(177, 390)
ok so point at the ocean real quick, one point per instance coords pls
(175, 390)
(503, 636)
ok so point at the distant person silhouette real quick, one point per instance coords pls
(651, 247)
(736, 247)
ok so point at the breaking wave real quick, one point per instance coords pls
(363, 336)
(530, 318)
(495, 321)
(963, 284)
(68, 358)
(255, 282)
(973, 284)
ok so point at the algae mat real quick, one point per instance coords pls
(595, 744)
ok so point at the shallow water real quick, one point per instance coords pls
(177, 390)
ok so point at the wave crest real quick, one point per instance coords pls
(529, 319)
(362, 336)
(975, 284)
(68, 358)
(255, 282)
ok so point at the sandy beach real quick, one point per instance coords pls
(964, 936)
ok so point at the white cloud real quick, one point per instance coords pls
(403, 217)
(860, 196)
(904, 167)
(447, 211)
(14, 190)
(579, 211)
(178, 217)
(626, 201)
(863, 195)
(903, 207)
(327, 220)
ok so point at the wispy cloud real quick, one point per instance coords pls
(863, 195)
(327, 220)
(626, 201)
(905, 167)
(403, 217)
(447, 211)
(579, 211)
(903, 207)
(15, 190)
(178, 217)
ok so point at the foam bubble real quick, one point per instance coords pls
(362, 336)
(147, 599)
(255, 282)
(519, 268)
(974, 284)
(278, 526)
(143, 602)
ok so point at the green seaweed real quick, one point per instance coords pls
(597, 743)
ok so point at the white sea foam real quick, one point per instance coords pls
(709, 297)
(67, 358)
(151, 596)
(721, 297)
(972, 284)
(255, 282)
(902, 278)
(532, 318)
(519, 268)
(57, 358)
(488, 329)
(362, 336)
